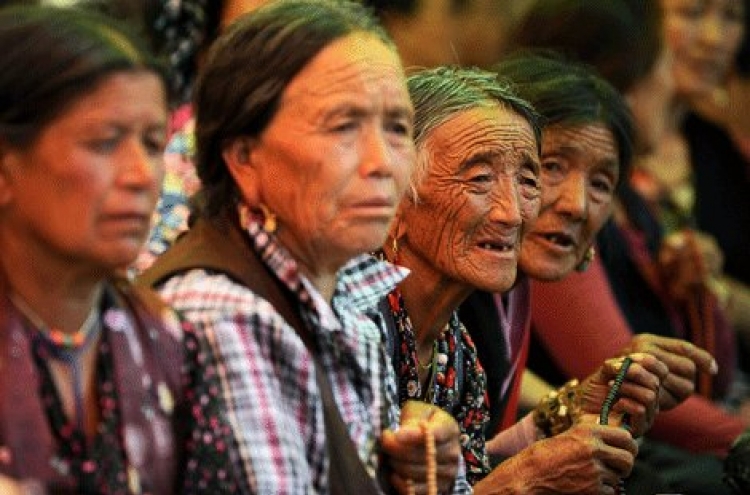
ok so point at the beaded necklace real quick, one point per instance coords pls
(66, 348)
(465, 399)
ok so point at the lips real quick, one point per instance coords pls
(128, 220)
(374, 203)
(560, 239)
(500, 243)
(497, 246)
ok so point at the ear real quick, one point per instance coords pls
(398, 226)
(238, 155)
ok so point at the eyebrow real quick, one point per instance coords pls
(358, 110)
(479, 157)
(568, 149)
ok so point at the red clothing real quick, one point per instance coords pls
(570, 317)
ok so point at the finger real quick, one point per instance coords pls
(617, 462)
(401, 485)
(443, 426)
(407, 484)
(648, 375)
(617, 439)
(647, 396)
(683, 349)
(645, 363)
(404, 449)
(678, 388)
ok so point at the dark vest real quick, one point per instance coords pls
(220, 245)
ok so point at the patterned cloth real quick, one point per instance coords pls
(457, 382)
(267, 379)
(182, 417)
(170, 217)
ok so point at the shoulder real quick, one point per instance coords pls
(215, 304)
(199, 289)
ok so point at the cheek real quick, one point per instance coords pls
(598, 216)
(530, 208)
(405, 161)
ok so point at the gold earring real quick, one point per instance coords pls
(394, 248)
(588, 257)
(269, 219)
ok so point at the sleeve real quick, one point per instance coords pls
(581, 312)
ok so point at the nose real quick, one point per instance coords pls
(506, 203)
(140, 168)
(377, 154)
(571, 198)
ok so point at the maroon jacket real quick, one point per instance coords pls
(147, 362)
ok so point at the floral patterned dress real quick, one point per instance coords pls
(457, 382)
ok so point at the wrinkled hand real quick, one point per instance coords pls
(682, 358)
(588, 459)
(639, 394)
(406, 448)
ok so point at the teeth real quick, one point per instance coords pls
(558, 239)
(493, 247)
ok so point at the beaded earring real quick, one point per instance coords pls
(588, 257)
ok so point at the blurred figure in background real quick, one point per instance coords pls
(102, 390)
(563, 316)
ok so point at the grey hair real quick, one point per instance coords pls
(439, 94)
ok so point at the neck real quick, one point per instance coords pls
(430, 297)
(62, 298)
(321, 271)
(323, 283)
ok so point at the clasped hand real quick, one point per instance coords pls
(406, 448)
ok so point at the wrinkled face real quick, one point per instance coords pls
(85, 189)
(580, 169)
(335, 160)
(479, 190)
(704, 36)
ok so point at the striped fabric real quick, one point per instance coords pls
(266, 373)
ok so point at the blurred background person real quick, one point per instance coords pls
(100, 391)
(563, 315)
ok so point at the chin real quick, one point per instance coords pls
(550, 271)
(501, 283)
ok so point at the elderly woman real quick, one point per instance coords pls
(475, 187)
(91, 395)
(585, 142)
(304, 149)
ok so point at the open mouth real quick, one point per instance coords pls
(499, 247)
(562, 240)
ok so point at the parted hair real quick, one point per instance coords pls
(247, 70)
